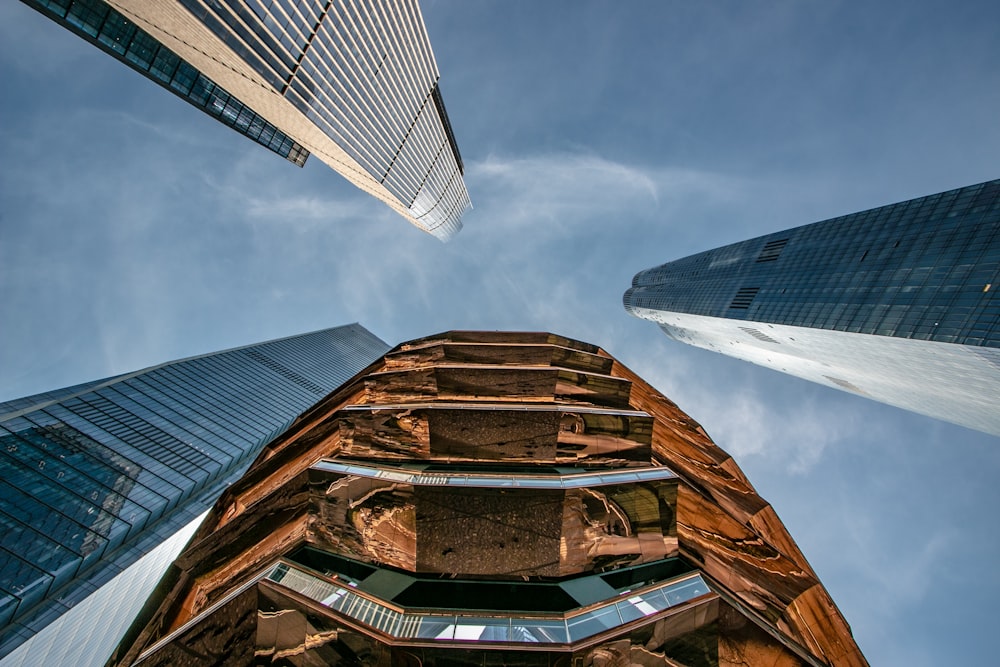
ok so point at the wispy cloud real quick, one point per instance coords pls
(744, 417)
(568, 187)
(565, 179)
(303, 208)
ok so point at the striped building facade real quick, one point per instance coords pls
(353, 83)
(102, 484)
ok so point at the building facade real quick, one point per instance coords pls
(490, 498)
(897, 303)
(101, 484)
(353, 83)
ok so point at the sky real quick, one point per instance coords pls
(599, 139)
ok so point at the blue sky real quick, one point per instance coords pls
(599, 139)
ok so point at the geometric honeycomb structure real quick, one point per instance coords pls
(487, 498)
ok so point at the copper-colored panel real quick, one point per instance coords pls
(494, 435)
(365, 519)
(216, 575)
(416, 356)
(743, 642)
(291, 632)
(227, 637)
(616, 526)
(493, 354)
(386, 433)
(496, 383)
(602, 390)
(613, 439)
(578, 360)
(709, 634)
(272, 474)
(738, 558)
(461, 433)
(505, 338)
(488, 532)
(472, 354)
(828, 631)
(457, 383)
(409, 385)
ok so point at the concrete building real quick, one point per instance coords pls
(353, 83)
(897, 303)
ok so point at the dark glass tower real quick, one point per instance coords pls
(897, 303)
(102, 483)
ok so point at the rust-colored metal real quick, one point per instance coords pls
(517, 404)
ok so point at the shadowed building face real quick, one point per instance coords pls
(492, 498)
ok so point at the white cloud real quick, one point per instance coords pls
(784, 425)
(570, 188)
(302, 208)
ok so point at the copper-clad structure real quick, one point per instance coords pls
(485, 498)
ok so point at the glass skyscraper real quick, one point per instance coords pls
(897, 303)
(102, 483)
(353, 82)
